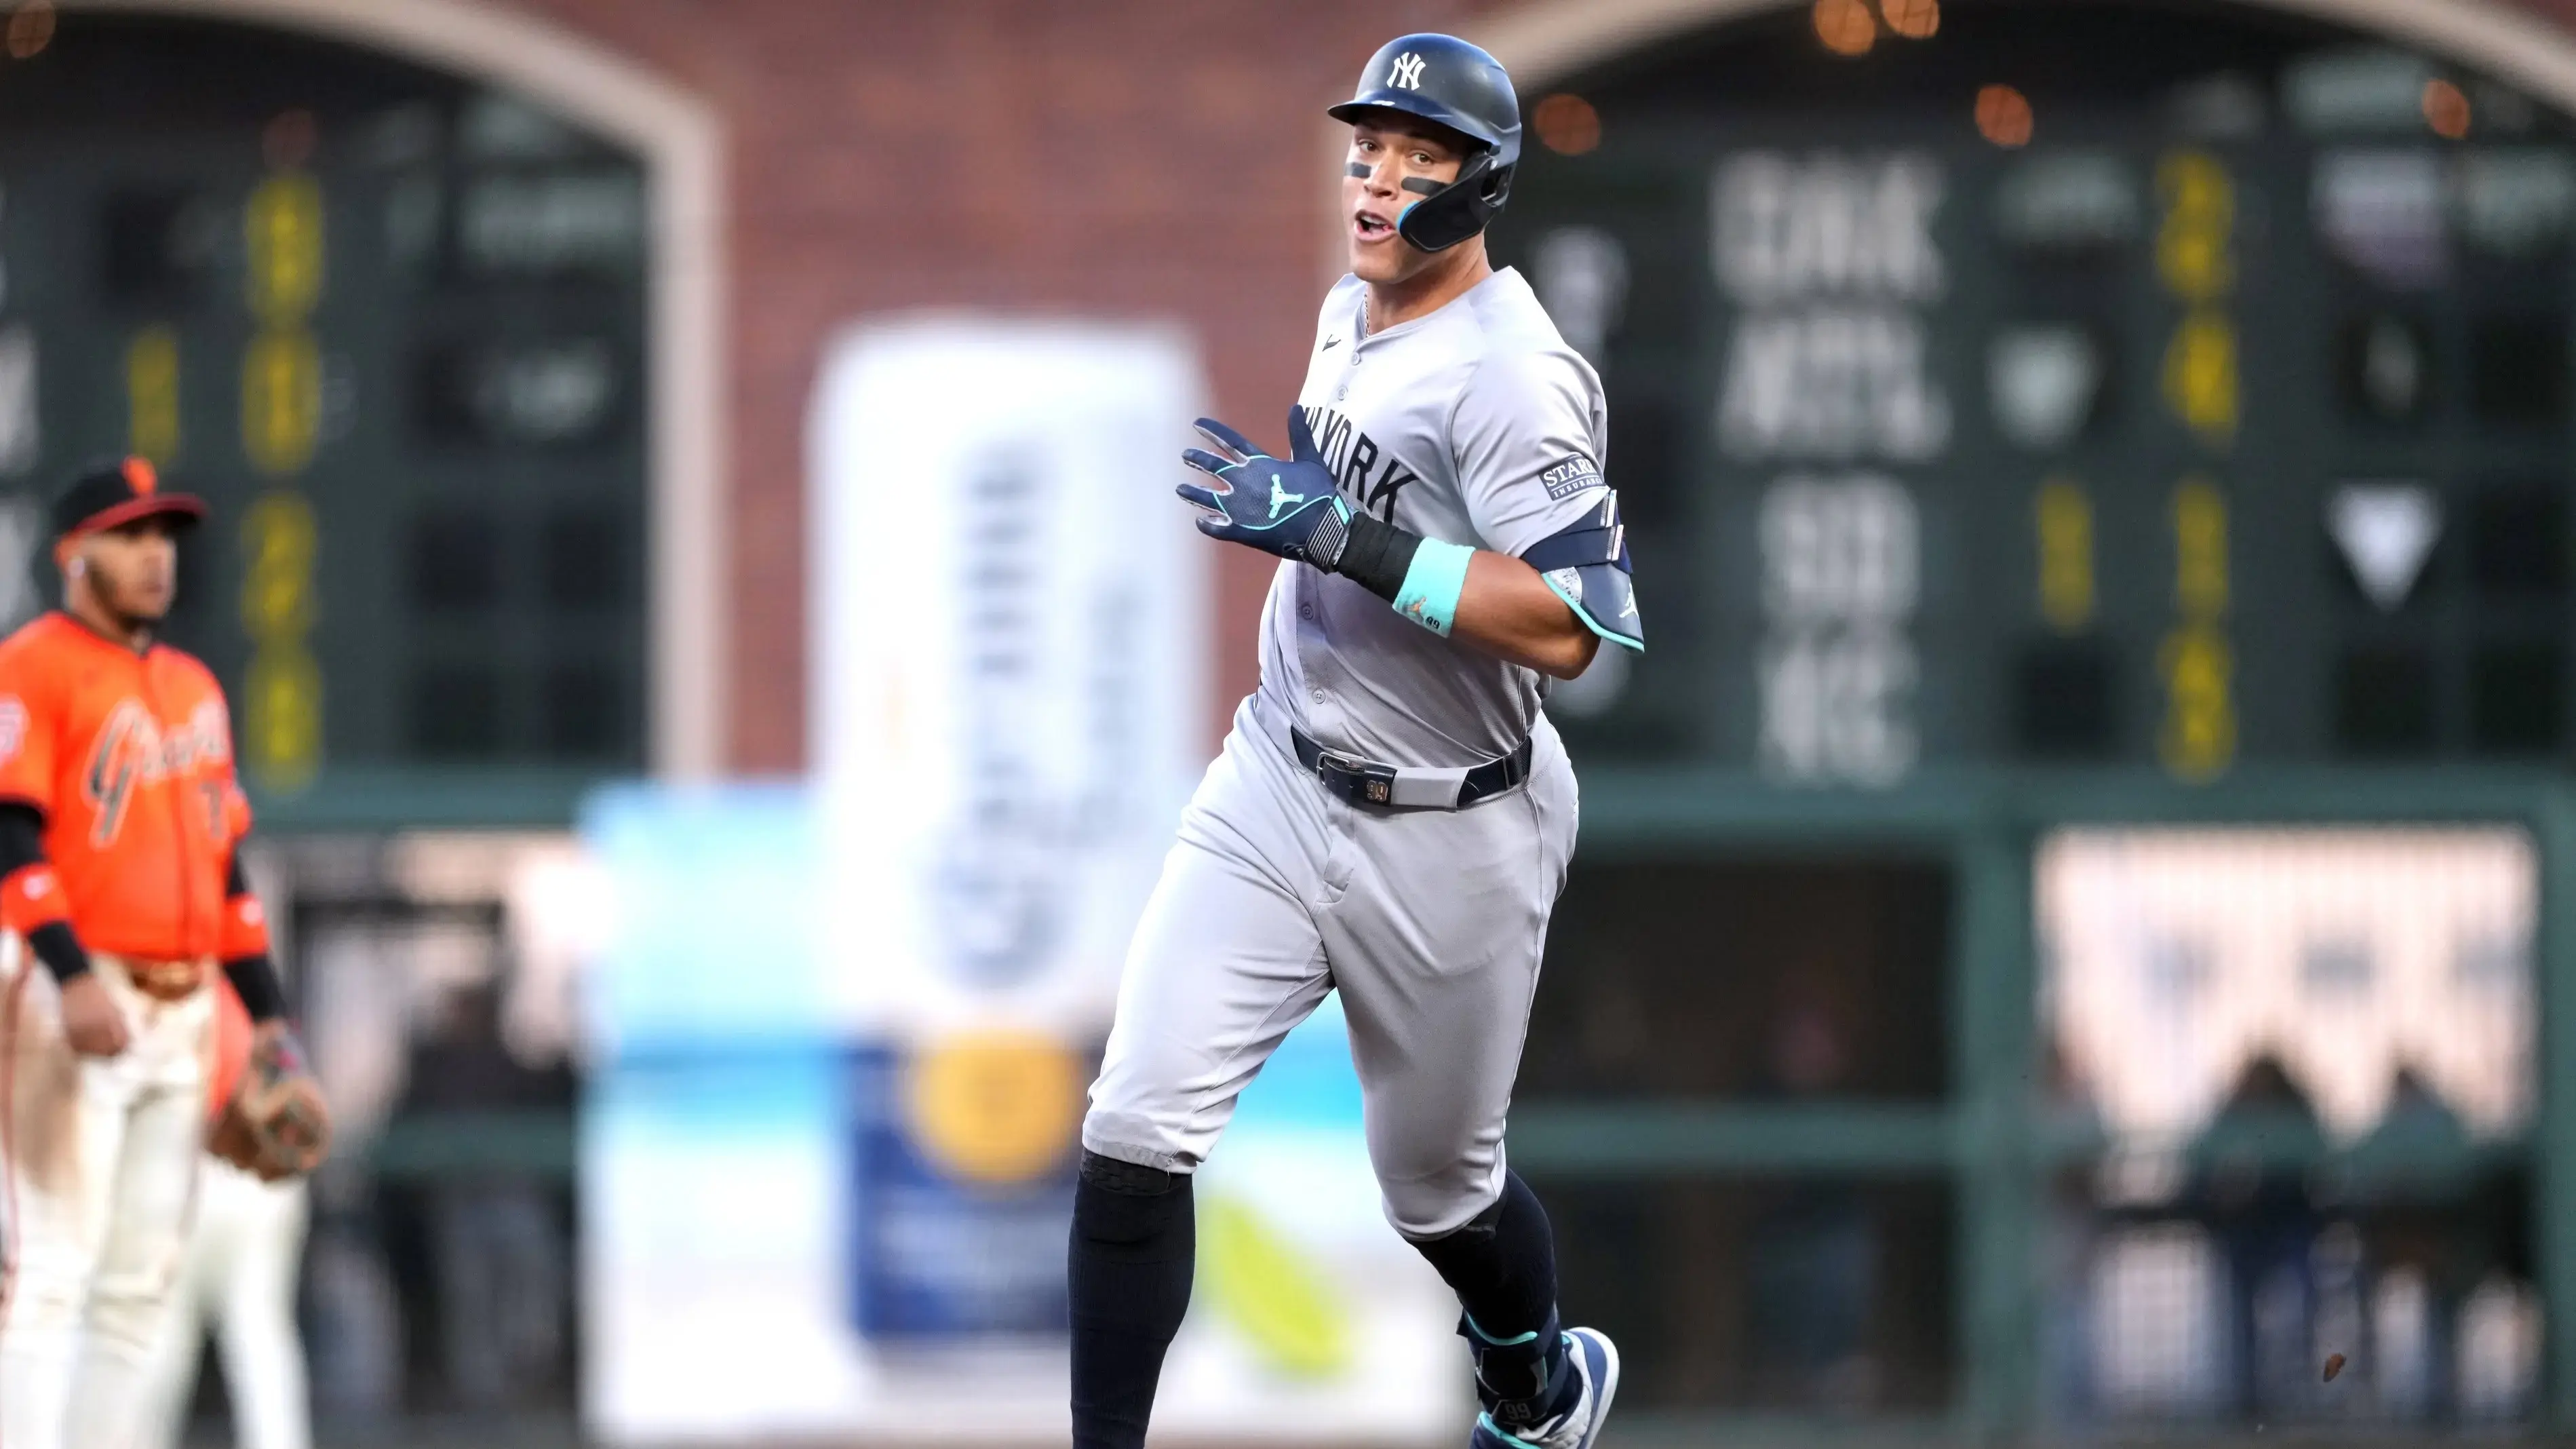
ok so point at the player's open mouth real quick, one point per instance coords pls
(1371, 227)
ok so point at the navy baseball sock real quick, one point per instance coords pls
(1503, 1266)
(1134, 1241)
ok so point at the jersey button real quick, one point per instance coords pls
(1305, 611)
(1319, 696)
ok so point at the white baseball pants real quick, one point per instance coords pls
(240, 1275)
(98, 1164)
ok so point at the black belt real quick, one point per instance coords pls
(1366, 782)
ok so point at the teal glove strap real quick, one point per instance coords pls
(1429, 595)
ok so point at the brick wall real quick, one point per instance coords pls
(898, 154)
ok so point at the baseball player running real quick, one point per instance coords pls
(1392, 815)
(120, 891)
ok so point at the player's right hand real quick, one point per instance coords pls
(92, 1021)
(1292, 507)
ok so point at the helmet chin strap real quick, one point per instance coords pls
(1448, 215)
(1434, 234)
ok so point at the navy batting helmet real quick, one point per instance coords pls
(1443, 79)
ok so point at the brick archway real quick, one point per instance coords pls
(1546, 39)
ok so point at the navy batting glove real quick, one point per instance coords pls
(1290, 507)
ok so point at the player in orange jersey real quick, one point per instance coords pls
(120, 894)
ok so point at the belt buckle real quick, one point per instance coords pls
(1376, 783)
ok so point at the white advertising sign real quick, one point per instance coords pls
(1010, 659)
(843, 1028)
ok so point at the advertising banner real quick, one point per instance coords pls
(845, 1026)
(1010, 661)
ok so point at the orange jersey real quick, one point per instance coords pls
(130, 758)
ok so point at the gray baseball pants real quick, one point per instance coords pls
(1429, 922)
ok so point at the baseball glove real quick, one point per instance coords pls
(276, 1124)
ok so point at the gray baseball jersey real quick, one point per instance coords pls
(1474, 425)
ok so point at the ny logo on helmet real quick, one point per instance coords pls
(1406, 73)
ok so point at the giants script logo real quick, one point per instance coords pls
(133, 749)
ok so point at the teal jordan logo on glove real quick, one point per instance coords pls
(1281, 498)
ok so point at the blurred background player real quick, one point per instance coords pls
(239, 1278)
(121, 892)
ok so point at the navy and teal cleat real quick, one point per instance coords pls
(1595, 1362)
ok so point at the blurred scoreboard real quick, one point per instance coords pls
(393, 329)
(2111, 383)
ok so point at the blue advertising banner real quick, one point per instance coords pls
(937, 1255)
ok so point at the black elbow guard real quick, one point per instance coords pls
(1587, 566)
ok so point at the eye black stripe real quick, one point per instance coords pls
(1422, 184)
(1359, 170)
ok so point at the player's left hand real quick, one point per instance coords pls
(1291, 507)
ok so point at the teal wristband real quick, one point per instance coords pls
(1429, 596)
